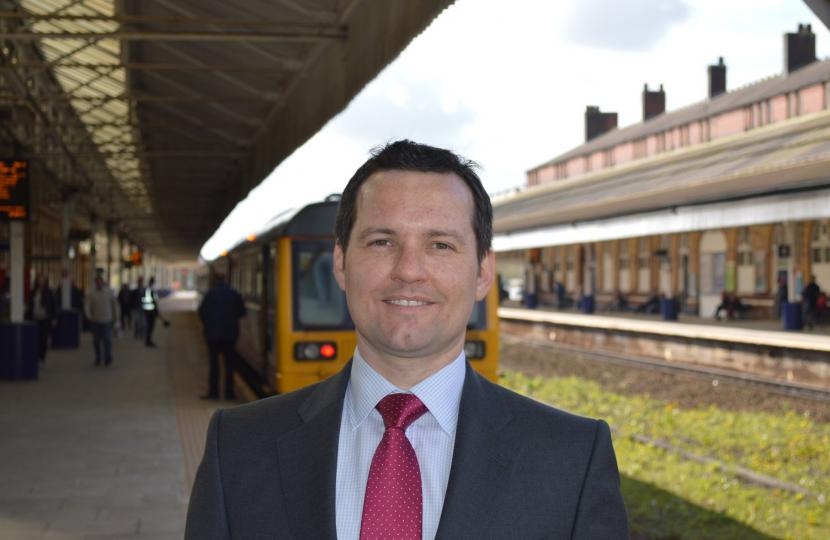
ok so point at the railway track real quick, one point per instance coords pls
(717, 376)
(658, 376)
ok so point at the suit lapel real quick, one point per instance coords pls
(308, 461)
(480, 462)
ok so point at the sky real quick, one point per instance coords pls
(506, 85)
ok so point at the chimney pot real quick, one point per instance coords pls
(654, 102)
(717, 78)
(799, 48)
(598, 123)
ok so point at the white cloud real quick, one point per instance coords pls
(506, 85)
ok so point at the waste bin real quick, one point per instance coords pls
(792, 316)
(67, 331)
(586, 305)
(18, 351)
(531, 300)
(668, 309)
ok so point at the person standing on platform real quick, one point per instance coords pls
(408, 424)
(139, 320)
(782, 296)
(150, 305)
(124, 307)
(220, 312)
(101, 310)
(42, 309)
(809, 296)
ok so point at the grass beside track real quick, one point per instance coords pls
(670, 496)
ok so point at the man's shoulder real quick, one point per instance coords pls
(528, 413)
(267, 417)
(277, 414)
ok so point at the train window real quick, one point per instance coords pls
(318, 300)
(478, 318)
(269, 274)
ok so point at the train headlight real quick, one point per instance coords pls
(474, 350)
(309, 351)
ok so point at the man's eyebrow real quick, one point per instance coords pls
(443, 233)
(375, 230)
(430, 233)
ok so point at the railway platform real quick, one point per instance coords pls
(109, 452)
(758, 347)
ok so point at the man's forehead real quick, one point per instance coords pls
(393, 180)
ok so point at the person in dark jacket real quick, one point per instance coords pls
(220, 311)
(42, 309)
(809, 296)
(124, 306)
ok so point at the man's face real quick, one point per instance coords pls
(411, 272)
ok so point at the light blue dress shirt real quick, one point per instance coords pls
(432, 436)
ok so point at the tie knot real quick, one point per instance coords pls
(400, 410)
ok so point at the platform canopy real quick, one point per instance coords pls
(158, 116)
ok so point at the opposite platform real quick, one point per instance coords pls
(106, 452)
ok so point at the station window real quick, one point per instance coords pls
(623, 254)
(820, 244)
(745, 257)
(640, 148)
(661, 142)
(643, 255)
(561, 170)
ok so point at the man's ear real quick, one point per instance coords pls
(340, 266)
(486, 274)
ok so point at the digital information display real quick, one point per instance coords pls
(14, 190)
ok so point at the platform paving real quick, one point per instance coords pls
(92, 452)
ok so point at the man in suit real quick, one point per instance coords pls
(413, 255)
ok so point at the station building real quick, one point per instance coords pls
(731, 194)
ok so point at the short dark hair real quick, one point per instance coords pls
(406, 155)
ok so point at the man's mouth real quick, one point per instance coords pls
(406, 303)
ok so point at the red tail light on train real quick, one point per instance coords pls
(305, 350)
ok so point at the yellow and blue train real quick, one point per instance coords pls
(298, 330)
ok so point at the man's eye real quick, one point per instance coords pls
(441, 245)
(380, 242)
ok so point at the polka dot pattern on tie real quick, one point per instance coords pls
(393, 506)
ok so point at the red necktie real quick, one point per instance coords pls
(393, 507)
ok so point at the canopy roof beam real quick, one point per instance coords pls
(285, 36)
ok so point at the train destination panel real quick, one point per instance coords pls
(14, 189)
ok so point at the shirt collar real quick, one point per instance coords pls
(440, 392)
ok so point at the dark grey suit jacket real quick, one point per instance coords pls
(519, 470)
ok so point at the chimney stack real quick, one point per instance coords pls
(799, 48)
(597, 123)
(717, 78)
(654, 102)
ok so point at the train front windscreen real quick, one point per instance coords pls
(319, 303)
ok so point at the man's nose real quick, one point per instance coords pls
(410, 264)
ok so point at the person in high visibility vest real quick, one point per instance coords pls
(149, 304)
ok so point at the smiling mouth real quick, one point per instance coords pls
(407, 303)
